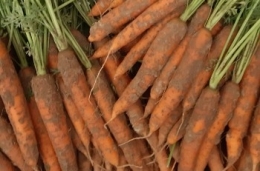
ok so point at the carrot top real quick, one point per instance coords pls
(242, 47)
(191, 9)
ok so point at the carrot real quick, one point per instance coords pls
(15, 104)
(44, 143)
(79, 91)
(187, 70)
(117, 17)
(9, 145)
(145, 20)
(201, 118)
(52, 59)
(139, 50)
(118, 127)
(5, 164)
(168, 124)
(215, 163)
(239, 122)
(73, 113)
(83, 162)
(100, 7)
(204, 75)
(155, 58)
(229, 95)
(116, 3)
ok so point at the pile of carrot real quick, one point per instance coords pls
(120, 85)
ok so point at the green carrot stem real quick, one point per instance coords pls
(191, 9)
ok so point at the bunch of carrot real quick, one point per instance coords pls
(129, 85)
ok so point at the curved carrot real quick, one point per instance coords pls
(16, 107)
(79, 90)
(117, 17)
(229, 96)
(156, 57)
(201, 118)
(139, 50)
(204, 75)
(187, 70)
(100, 7)
(239, 123)
(5, 164)
(46, 150)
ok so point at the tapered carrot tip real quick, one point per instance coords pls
(90, 38)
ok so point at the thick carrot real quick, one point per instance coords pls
(215, 163)
(139, 50)
(239, 123)
(49, 102)
(100, 7)
(187, 70)
(229, 96)
(83, 162)
(204, 75)
(45, 147)
(197, 22)
(168, 124)
(79, 90)
(5, 163)
(254, 137)
(118, 127)
(201, 118)
(154, 60)
(73, 113)
(117, 17)
(16, 107)
(150, 16)
(9, 145)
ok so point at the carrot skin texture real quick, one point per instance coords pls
(100, 7)
(204, 75)
(153, 62)
(45, 147)
(228, 100)
(145, 20)
(117, 17)
(16, 107)
(83, 162)
(187, 70)
(49, 103)
(79, 90)
(215, 163)
(239, 123)
(201, 118)
(5, 163)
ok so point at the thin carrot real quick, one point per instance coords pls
(139, 50)
(117, 17)
(215, 163)
(100, 7)
(5, 163)
(229, 95)
(16, 107)
(204, 75)
(44, 143)
(154, 60)
(161, 82)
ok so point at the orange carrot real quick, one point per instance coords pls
(16, 107)
(9, 145)
(215, 163)
(168, 124)
(117, 17)
(118, 127)
(187, 70)
(79, 91)
(116, 3)
(44, 143)
(154, 60)
(201, 118)
(139, 50)
(83, 162)
(204, 75)
(52, 59)
(150, 16)
(5, 163)
(100, 7)
(229, 96)
(239, 123)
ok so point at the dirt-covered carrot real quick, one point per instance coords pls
(215, 163)
(83, 162)
(188, 68)
(117, 17)
(100, 7)
(5, 163)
